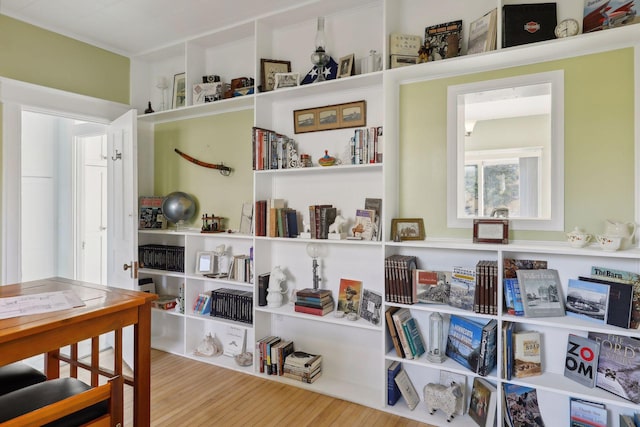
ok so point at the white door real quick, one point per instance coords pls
(91, 201)
(122, 189)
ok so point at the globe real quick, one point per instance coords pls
(178, 206)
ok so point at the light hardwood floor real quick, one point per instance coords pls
(186, 392)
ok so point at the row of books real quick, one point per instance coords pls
(232, 304)
(320, 218)
(405, 333)
(277, 356)
(241, 268)
(161, 257)
(274, 219)
(365, 147)
(272, 150)
(318, 302)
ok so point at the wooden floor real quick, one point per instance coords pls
(186, 392)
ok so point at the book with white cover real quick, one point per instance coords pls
(234, 341)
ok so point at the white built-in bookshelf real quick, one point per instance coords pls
(356, 353)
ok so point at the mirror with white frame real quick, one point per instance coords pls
(505, 151)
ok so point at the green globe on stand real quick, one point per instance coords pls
(178, 207)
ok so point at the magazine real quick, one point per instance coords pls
(522, 405)
(443, 40)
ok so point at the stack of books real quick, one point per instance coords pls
(302, 366)
(314, 301)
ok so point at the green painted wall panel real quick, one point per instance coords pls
(32, 54)
(223, 138)
(599, 144)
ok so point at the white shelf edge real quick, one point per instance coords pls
(219, 281)
(192, 111)
(322, 169)
(161, 272)
(288, 310)
(298, 240)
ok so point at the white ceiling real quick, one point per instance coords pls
(131, 27)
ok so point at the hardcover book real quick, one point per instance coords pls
(375, 205)
(587, 414)
(522, 405)
(471, 343)
(541, 293)
(512, 265)
(587, 300)
(393, 391)
(447, 378)
(432, 287)
(393, 333)
(618, 365)
(528, 23)
(414, 336)
(527, 361)
(443, 40)
(399, 317)
(581, 361)
(370, 306)
(365, 224)
(463, 288)
(407, 389)
(151, 213)
(482, 33)
(482, 407)
(349, 296)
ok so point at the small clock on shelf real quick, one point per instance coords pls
(567, 28)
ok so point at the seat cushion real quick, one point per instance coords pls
(18, 375)
(36, 396)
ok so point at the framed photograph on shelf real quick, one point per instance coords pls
(283, 80)
(353, 114)
(491, 231)
(305, 120)
(204, 262)
(268, 70)
(345, 66)
(179, 91)
(407, 229)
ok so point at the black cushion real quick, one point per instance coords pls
(36, 396)
(18, 375)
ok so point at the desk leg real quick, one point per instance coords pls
(142, 367)
(52, 364)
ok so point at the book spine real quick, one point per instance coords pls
(393, 392)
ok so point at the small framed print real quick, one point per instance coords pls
(283, 80)
(179, 91)
(353, 114)
(305, 120)
(328, 117)
(491, 231)
(268, 70)
(407, 229)
(345, 66)
(204, 262)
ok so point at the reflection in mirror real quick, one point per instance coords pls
(505, 151)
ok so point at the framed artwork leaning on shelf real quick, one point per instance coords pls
(491, 231)
(179, 91)
(283, 80)
(407, 229)
(345, 66)
(328, 117)
(268, 70)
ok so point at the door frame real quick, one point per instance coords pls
(15, 97)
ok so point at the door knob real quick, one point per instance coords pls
(127, 266)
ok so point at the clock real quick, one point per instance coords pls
(566, 28)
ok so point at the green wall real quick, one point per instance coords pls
(599, 144)
(31, 54)
(222, 138)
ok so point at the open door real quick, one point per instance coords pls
(122, 190)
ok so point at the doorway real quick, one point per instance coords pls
(64, 198)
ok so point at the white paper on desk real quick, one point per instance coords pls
(45, 302)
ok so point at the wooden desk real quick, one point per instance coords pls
(106, 309)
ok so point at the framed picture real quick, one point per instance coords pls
(328, 117)
(353, 114)
(268, 70)
(345, 66)
(204, 262)
(407, 229)
(286, 80)
(179, 91)
(305, 120)
(491, 231)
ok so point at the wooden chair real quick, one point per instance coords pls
(62, 402)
